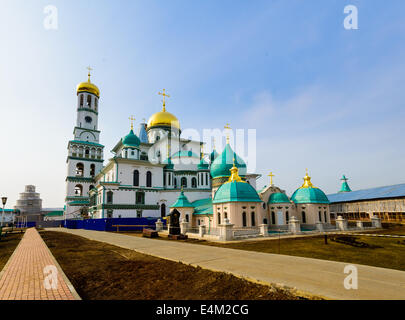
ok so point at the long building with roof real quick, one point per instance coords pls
(387, 203)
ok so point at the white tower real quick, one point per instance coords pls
(85, 153)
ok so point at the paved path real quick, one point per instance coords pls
(313, 276)
(23, 276)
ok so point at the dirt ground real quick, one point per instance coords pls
(372, 251)
(100, 271)
(7, 247)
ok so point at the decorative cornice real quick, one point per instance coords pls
(80, 179)
(88, 110)
(84, 159)
(92, 130)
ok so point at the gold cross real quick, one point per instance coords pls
(271, 175)
(228, 128)
(90, 69)
(132, 119)
(164, 98)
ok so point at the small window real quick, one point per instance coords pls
(219, 218)
(149, 179)
(244, 220)
(88, 119)
(253, 216)
(304, 217)
(273, 217)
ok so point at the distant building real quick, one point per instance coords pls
(30, 205)
(387, 203)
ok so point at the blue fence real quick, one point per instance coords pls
(131, 224)
(25, 225)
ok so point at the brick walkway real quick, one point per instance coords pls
(23, 276)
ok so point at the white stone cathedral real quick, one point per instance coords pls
(157, 170)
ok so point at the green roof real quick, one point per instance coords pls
(203, 206)
(214, 155)
(131, 140)
(54, 214)
(169, 163)
(309, 195)
(236, 192)
(224, 162)
(278, 198)
(345, 186)
(182, 202)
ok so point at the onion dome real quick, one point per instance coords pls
(131, 140)
(224, 162)
(278, 197)
(345, 186)
(309, 194)
(236, 190)
(88, 87)
(182, 202)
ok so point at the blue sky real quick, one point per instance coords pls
(321, 97)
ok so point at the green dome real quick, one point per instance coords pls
(236, 192)
(213, 155)
(278, 198)
(182, 202)
(131, 140)
(224, 162)
(309, 195)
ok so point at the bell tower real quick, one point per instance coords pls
(85, 153)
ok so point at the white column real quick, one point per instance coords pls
(360, 224)
(264, 230)
(201, 230)
(159, 225)
(376, 222)
(341, 223)
(320, 227)
(294, 225)
(226, 230)
(183, 226)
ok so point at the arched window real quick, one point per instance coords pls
(89, 101)
(326, 217)
(175, 183)
(219, 218)
(91, 187)
(273, 217)
(81, 101)
(95, 103)
(184, 182)
(163, 210)
(194, 183)
(304, 217)
(244, 219)
(320, 216)
(80, 169)
(226, 215)
(265, 221)
(87, 152)
(136, 178)
(187, 218)
(287, 216)
(92, 170)
(110, 196)
(253, 216)
(149, 179)
(79, 190)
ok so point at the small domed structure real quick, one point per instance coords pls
(309, 194)
(131, 140)
(236, 190)
(88, 87)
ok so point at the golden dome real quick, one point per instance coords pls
(88, 86)
(163, 118)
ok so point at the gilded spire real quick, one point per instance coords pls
(164, 99)
(235, 174)
(89, 74)
(132, 119)
(307, 181)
